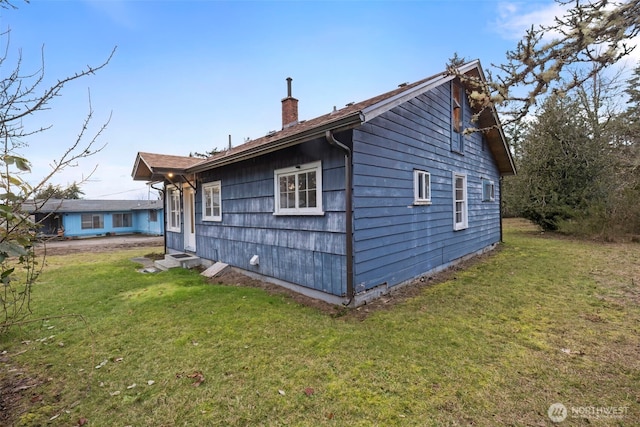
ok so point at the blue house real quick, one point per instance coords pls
(90, 218)
(351, 204)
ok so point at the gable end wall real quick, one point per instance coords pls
(395, 240)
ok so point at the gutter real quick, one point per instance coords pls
(343, 123)
(348, 190)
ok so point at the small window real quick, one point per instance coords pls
(298, 190)
(460, 214)
(153, 215)
(92, 221)
(457, 116)
(211, 202)
(488, 191)
(173, 209)
(421, 187)
(121, 220)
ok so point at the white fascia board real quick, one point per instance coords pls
(383, 106)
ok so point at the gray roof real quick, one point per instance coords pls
(83, 205)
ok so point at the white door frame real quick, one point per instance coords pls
(189, 212)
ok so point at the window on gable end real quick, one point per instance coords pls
(457, 116)
(212, 201)
(488, 190)
(421, 187)
(298, 190)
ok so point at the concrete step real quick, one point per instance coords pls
(177, 260)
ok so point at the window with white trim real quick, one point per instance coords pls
(91, 221)
(460, 208)
(488, 190)
(212, 201)
(421, 187)
(298, 190)
(457, 117)
(121, 220)
(173, 209)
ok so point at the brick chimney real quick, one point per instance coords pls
(289, 108)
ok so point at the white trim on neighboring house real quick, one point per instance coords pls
(212, 201)
(298, 190)
(173, 209)
(460, 201)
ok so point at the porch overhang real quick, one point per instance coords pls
(152, 167)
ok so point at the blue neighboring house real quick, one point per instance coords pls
(348, 205)
(90, 218)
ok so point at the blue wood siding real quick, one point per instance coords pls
(142, 222)
(72, 223)
(306, 250)
(394, 240)
(175, 241)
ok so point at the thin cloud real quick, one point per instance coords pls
(514, 19)
(116, 10)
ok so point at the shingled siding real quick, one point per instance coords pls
(395, 240)
(305, 250)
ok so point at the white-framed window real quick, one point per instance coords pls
(91, 221)
(212, 201)
(173, 209)
(488, 190)
(460, 208)
(122, 220)
(457, 117)
(421, 187)
(298, 190)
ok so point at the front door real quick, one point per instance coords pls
(189, 210)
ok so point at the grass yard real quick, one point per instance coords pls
(544, 320)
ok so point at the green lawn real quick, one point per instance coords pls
(543, 320)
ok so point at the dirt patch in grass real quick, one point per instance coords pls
(16, 394)
(234, 277)
(97, 244)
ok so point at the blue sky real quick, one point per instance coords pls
(186, 74)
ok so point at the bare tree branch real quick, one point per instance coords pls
(594, 33)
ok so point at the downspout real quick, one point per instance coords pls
(348, 207)
(501, 207)
(162, 197)
(163, 192)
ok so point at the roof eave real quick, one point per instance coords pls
(383, 106)
(348, 122)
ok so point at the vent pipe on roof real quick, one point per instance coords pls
(289, 108)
